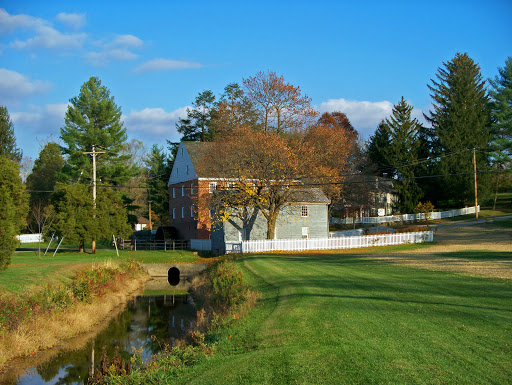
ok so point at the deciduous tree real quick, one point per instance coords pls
(280, 106)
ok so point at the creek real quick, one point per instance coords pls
(159, 315)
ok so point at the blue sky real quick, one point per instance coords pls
(358, 57)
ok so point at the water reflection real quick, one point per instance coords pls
(165, 316)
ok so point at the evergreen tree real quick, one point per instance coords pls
(94, 119)
(402, 154)
(47, 166)
(74, 219)
(13, 208)
(501, 109)
(377, 145)
(7, 138)
(159, 170)
(460, 122)
(197, 126)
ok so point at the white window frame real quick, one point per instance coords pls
(231, 185)
(305, 232)
(212, 187)
(304, 211)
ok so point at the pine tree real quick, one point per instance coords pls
(94, 119)
(197, 126)
(501, 109)
(402, 154)
(159, 170)
(7, 138)
(377, 145)
(460, 122)
(13, 208)
(47, 166)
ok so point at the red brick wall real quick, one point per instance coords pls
(190, 227)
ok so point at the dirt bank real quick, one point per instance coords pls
(55, 329)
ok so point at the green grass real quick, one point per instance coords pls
(345, 319)
(26, 270)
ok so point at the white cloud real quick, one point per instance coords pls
(15, 86)
(45, 36)
(166, 65)
(154, 124)
(119, 48)
(9, 23)
(73, 21)
(45, 120)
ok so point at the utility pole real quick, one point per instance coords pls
(150, 223)
(94, 153)
(476, 186)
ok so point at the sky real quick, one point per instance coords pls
(357, 57)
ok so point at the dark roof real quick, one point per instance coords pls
(196, 150)
(308, 195)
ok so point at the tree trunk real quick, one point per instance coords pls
(271, 226)
(81, 248)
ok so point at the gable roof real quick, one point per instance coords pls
(308, 195)
(196, 150)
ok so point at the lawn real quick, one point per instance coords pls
(27, 270)
(346, 319)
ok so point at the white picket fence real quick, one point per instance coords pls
(405, 217)
(328, 243)
(29, 238)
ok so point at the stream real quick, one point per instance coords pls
(160, 314)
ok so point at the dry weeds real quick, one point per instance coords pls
(51, 330)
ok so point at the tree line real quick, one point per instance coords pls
(266, 135)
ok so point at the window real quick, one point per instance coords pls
(173, 213)
(187, 169)
(182, 152)
(191, 188)
(177, 171)
(183, 190)
(183, 212)
(305, 232)
(231, 185)
(304, 211)
(174, 192)
(191, 211)
(212, 187)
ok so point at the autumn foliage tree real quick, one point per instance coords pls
(280, 106)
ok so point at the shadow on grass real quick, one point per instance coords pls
(479, 255)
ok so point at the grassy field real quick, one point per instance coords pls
(346, 319)
(27, 270)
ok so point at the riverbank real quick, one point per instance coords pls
(86, 303)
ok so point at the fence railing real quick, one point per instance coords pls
(328, 243)
(29, 238)
(141, 244)
(404, 217)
